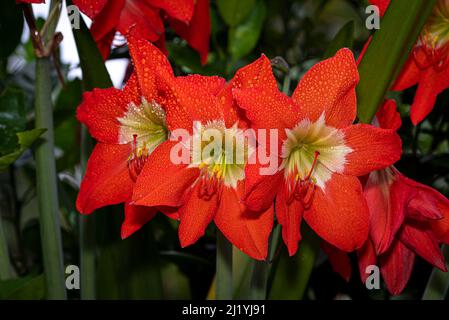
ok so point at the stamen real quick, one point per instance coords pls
(137, 159)
(303, 189)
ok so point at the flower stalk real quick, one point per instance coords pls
(223, 285)
(47, 191)
(46, 177)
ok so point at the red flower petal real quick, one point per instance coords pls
(329, 87)
(192, 98)
(339, 214)
(161, 182)
(257, 74)
(247, 231)
(151, 66)
(409, 76)
(141, 19)
(135, 218)
(431, 84)
(289, 216)
(260, 190)
(107, 179)
(197, 31)
(104, 44)
(105, 22)
(387, 200)
(423, 244)
(440, 228)
(396, 267)
(178, 9)
(373, 149)
(195, 214)
(388, 116)
(427, 203)
(90, 7)
(382, 4)
(268, 109)
(367, 257)
(101, 108)
(338, 259)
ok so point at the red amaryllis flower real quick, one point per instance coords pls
(427, 65)
(406, 218)
(211, 189)
(129, 125)
(322, 153)
(189, 18)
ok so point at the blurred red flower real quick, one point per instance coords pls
(320, 151)
(189, 18)
(427, 65)
(407, 219)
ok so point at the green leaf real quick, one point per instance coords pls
(26, 139)
(343, 39)
(11, 26)
(235, 11)
(243, 38)
(388, 52)
(30, 287)
(12, 119)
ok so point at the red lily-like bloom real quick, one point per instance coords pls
(427, 65)
(129, 125)
(322, 153)
(189, 18)
(406, 218)
(210, 190)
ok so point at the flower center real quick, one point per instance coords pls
(220, 153)
(311, 153)
(144, 126)
(434, 39)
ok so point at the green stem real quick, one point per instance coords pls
(87, 233)
(5, 263)
(224, 268)
(259, 280)
(292, 273)
(47, 191)
(262, 269)
(438, 286)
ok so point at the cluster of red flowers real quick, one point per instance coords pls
(336, 175)
(322, 155)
